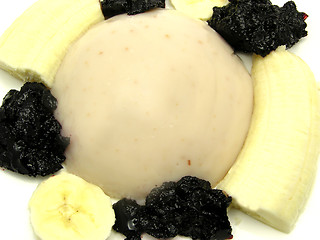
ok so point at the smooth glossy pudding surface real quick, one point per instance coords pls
(151, 98)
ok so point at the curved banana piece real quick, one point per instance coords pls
(33, 47)
(274, 173)
(200, 9)
(66, 207)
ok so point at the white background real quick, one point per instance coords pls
(15, 190)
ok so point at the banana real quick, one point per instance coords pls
(274, 173)
(33, 47)
(67, 207)
(200, 9)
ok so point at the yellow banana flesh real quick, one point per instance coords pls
(274, 173)
(66, 207)
(200, 9)
(33, 47)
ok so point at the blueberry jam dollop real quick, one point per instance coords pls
(111, 8)
(189, 207)
(30, 140)
(258, 26)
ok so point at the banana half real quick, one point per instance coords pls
(200, 9)
(275, 171)
(67, 207)
(33, 47)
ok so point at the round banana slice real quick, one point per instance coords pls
(67, 207)
(201, 9)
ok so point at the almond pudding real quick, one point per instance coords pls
(151, 98)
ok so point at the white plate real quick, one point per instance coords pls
(16, 190)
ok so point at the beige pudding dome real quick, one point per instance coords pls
(151, 98)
